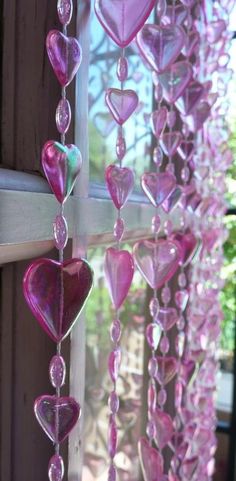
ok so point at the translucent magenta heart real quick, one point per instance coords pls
(120, 183)
(158, 121)
(65, 55)
(167, 369)
(190, 98)
(123, 19)
(151, 461)
(189, 246)
(191, 43)
(175, 80)
(164, 428)
(196, 120)
(157, 187)
(170, 142)
(160, 45)
(186, 150)
(175, 15)
(119, 271)
(173, 200)
(167, 317)
(57, 416)
(56, 293)
(61, 165)
(157, 261)
(121, 103)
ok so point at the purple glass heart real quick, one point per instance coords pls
(164, 428)
(65, 55)
(61, 165)
(186, 150)
(192, 42)
(123, 19)
(119, 271)
(190, 98)
(167, 317)
(160, 46)
(158, 121)
(198, 117)
(121, 103)
(170, 142)
(56, 293)
(172, 201)
(151, 461)
(157, 187)
(167, 369)
(120, 183)
(175, 80)
(157, 261)
(174, 15)
(57, 416)
(189, 246)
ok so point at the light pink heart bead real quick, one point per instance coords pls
(119, 271)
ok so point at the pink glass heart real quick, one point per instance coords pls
(121, 103)
(65, 55)
(164, 428)
(56, 293)
(57, 416)
(120, 183)
(119, 271)
(215, 30)
(199, 116)
(169, 142)
(157, 187)
(151, 461)
(190, 98)
(61, 165)
(175, 15)
(189, 246)
(160, 46)
(175, 80)
(172, 201)
(158, 121)
(186, 150)
(187, 370)
(157, 261)
(123, 19)
(167, 317)
(167, 369)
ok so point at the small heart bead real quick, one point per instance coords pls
(65, 55)
(119, 271)
(121, 103)
(120, 183)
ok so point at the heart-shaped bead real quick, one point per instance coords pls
(174, 15)
(65, 55)
(198, 117)
(61, 165)
(123, 19)
(151, 461)
(120, 183)
(186, 150)
(175, 80)
(164, 428)
(192, 42)
(56, 293)
(170, 142)
(121, 103)
(160, 45)
(167, 369)
(157, 187)
(158, 121)
(189, 246)
(167, 317)
(119, 271)
(57, 416)
(172, 201)
(190, 98)
(157, 261)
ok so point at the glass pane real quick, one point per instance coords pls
(102, 128)
(99, 315)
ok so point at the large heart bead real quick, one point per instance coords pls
(61, 165)
(151, 461)
(65, 55)
(121, 103)
(190, 98)
(160, 45)
(56, 293)
(158, 187)
(189, 246)
(158, 121)
(157, 261)
(175, 80)
(57, 416)
(164, 428)
(167, 369)
(173, 200)
(119, 271)
(122, 19)
(120, 183)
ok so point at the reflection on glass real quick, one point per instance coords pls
(99, 314)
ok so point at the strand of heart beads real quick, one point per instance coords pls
(119, 265)
(57, 291)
